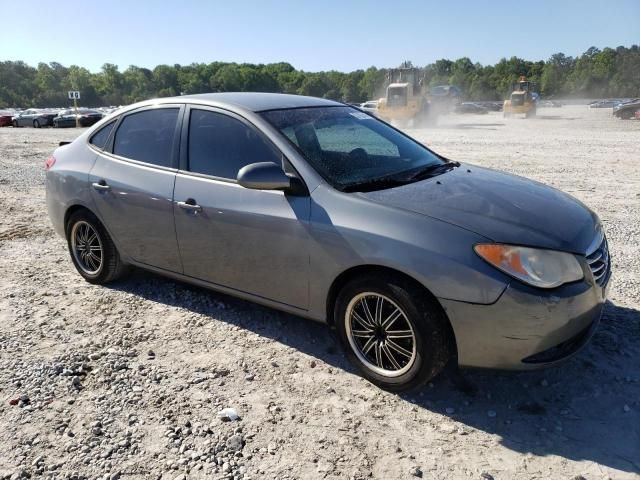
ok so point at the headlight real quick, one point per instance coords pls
(540, 268)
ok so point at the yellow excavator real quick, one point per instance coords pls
(522, 100)
(408, 98)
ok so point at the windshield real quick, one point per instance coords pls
(348, 147)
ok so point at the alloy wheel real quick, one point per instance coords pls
(86, 247)
(380, 334)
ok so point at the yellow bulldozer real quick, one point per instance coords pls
(523, 99)
(408, 98)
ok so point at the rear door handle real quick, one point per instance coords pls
(101, 185)
(190, 204)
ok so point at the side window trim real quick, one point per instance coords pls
(175, 144)
(184, 140)
(108, 148)
(114, 124)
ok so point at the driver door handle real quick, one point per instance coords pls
(101, 185)
(190, 205)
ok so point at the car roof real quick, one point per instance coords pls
(255, 101)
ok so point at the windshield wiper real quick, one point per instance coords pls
(396, 180)
(433, 170)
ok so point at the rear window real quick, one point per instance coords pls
(99, 139)
(147, 136)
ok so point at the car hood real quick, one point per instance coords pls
(502, 207)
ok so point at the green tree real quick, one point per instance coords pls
(601, 73)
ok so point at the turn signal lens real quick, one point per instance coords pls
(536, 267)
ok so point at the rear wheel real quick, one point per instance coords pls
(15, 124)
(92, 251)
(393, 331)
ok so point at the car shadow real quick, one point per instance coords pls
(587, 409)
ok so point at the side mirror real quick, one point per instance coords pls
(263, 176)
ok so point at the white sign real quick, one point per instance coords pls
(74, 95)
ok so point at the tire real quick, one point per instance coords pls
(106, 265)
(15, 124)
(420, 328)
(36, 124)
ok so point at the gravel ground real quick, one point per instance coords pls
(127, 381)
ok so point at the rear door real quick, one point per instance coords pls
(254, 241)
(132, 185)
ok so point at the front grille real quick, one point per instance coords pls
(517, 99)
(600, 263)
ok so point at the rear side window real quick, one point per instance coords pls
(220, 145)
(147, 136)
(100, 138)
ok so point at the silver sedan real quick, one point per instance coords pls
(322, 210)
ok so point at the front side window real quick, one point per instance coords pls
(99, 139)
(147, 136)
(351, 149)
(220, 145)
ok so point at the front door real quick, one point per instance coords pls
(253, 241)
(132, 185)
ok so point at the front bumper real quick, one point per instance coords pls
(389, 114)
(518, 108)
(526, 327)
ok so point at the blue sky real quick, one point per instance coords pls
(311, 35)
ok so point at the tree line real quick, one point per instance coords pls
(596, 73)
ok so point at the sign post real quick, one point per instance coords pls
(75, 95)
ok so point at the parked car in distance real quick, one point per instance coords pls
(86, 118)
(627, 110)
(470, 107)
(33, 118)
(5, 119)
(604, 104)
(491, 106)
(370, 106)
(549, 104)
(318, 209)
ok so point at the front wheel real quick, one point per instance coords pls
(92, 251)
(393, 331)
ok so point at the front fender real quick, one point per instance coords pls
(352, 231)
